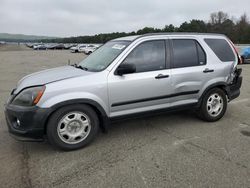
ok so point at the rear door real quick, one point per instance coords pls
(189, 70)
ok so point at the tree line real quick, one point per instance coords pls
(237, 29)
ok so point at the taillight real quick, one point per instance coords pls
(236, 51)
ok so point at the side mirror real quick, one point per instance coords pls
(125, 69)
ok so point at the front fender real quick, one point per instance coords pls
(58, 101)
(49, 102)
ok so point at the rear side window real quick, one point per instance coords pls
(187, 53)
(221, 48)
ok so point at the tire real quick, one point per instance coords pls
(72, 127)
(213, 106)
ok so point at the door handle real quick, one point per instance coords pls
(160, 76)
(208, 70)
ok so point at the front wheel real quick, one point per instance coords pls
(72, 127)
(214, 105)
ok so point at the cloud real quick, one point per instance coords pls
(82, 17)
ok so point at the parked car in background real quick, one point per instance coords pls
(73, 48)
(31, 45)
(77, 48)
(68, 46)
(89, 49)
(126, 76)
(56, 47)
(245, 56)
(40, 47)
(82, 47)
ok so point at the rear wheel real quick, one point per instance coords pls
(214, 105)
(72, 127)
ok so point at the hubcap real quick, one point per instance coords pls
(214, 104)
(74, 127)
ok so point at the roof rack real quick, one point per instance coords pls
(168, 33)
(181, 33)
(176, 33)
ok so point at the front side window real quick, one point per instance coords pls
(148, 56)
(187, 53)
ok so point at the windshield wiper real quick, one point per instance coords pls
(79, 67)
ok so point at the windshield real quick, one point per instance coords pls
(103, 57)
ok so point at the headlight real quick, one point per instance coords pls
(29, 97)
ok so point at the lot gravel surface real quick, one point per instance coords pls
(168, 150)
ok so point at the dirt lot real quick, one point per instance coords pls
(170, 150)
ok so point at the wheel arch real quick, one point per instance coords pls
(103, 118)
(221, 85)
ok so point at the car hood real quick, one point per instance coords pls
(48, 76)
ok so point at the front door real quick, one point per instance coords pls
(146, 89)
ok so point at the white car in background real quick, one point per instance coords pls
(40, 47)
(83, 47)
(77, 48)
(89, 49)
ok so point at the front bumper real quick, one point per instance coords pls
(26, 123)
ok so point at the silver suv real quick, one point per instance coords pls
(126, 76)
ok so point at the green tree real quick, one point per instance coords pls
(243, 30)
(169, 28)
(193, 26)
(147, 30)
(219, 22)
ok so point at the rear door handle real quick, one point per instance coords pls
(208, 70)
(160, 76)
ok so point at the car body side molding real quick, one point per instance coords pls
(155, 98)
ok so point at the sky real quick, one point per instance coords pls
(64, 18)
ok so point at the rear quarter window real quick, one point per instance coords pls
(221, 48)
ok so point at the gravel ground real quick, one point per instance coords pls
(170, 150)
